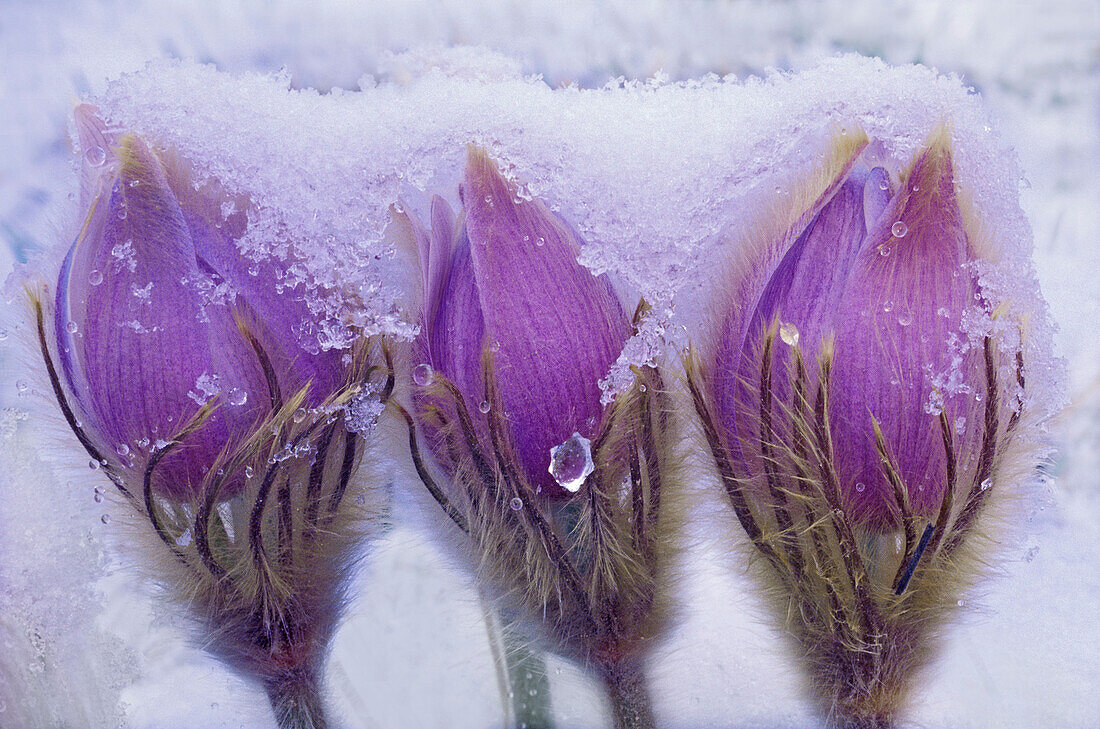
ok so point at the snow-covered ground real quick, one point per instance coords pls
(80, 640)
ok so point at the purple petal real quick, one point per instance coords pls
(903, 308)
(145, 344)
(555, 328)
(456, 338)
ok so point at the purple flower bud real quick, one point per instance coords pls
(875, 280)
(506, 278)
(153, 304)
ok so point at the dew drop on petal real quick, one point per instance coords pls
(423, 374)
(106, 518)
(299, 415)
(986, 484)
(483, 406)
(122, 213)
(516, 503)
(93, 464)
(905, 319)
(21, 385)
(860, 487)
(899, 229)
(571, 462)
(237, 396)
(248, 471)
(95, 277)
(97, 495)
(788, 332)
(888, 306)
(122, 449)
(884, 251)
(95, 156)
(71, 327)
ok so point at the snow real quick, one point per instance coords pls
(567, 99)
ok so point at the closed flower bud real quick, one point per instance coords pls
(192, 379)
(516, 335)
(862, 398)
(505, 284)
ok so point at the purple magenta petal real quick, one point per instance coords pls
(904, 303)
(555, 329)
(456, 339)
(146, 346)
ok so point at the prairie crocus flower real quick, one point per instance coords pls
(177, 365)
(516, 335)
(860, 401)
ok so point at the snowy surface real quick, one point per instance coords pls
(91, 645)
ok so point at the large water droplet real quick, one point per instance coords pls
(237, 396)
(899, 229)
(516, 503)
(95, 278)
(93, 464)
(106, 518)
(788, 332)
(122, 449)
(423, 374)
(95, 156)
(571, 462)
(71, 327)
(905, 318)
(483, 406)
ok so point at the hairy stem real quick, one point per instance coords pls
(296, 700)
(630, 704)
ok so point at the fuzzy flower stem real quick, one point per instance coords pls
(296, 700)
(630, 703)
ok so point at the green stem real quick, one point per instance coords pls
(525, 685)
(296, 700)
(630, 705)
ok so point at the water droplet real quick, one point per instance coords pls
(483, 406)
(122, 213)
(122, 449)
(3, 334)
(423, 374)
(960, 603)
(541, 241)
(986, 484)
(860, 487)
(143, 442)
(571, 462)
(299, 415)
(899, 229)
(95, 156)
(71, 327)
(516, 503)
(106, 518)
(93, 464)
(898, 543)
(95, 278)
(977, 397)
(237, 396)
(884, 250)
(21, 385)
(788, 332)
(905, 319)
(494, 346)
(922, 487)
(882, 185)
(888, 306)
(641, 388)
(97, 495)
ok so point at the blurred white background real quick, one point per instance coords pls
(91, 650)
